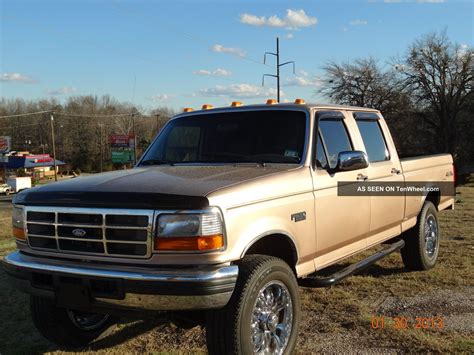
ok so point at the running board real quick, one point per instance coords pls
(315, 281)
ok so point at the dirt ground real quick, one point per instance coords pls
(385, 310)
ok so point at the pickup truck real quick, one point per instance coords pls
(227, 212)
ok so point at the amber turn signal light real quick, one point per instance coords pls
(19, 233)
(200, 243)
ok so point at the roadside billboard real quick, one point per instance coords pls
(122, 141)
(122, 156)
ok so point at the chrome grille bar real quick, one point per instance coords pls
(101, 242)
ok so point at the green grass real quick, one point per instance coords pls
(336, 319)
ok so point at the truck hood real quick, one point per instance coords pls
(180, 187)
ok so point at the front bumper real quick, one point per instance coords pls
(95, 286)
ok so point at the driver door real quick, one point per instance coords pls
(342, 222)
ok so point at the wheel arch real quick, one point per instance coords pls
(275, 243)
(432, 196)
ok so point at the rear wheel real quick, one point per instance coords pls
(263, 314)
(422, 241)
(66, 327)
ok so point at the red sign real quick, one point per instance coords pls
(40, 158)
(122, 140)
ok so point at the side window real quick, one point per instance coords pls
(334, 138)
(374, 141)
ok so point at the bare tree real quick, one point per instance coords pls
(363, 83)
(439, 77)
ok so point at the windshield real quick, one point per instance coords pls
(265, 136)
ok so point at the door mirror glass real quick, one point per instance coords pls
(352, 160)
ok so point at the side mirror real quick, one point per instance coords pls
(352, 160)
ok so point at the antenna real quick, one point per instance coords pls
(278, 65)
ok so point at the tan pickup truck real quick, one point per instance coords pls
(227, 211)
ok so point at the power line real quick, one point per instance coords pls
(20, 126)
(25, 114)
(89, 115)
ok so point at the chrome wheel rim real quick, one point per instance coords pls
(86, 320)
(272, 319)
(431, 236)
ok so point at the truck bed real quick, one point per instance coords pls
(429, 168)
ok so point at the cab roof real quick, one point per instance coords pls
(308, 106)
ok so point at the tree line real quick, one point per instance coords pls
(82, 124)
(425, 95)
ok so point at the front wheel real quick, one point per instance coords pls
(263, 314)
(422, 241)
(68, 328)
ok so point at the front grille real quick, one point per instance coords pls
(90, 231)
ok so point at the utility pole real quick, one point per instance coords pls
(278, 65)
(54, 147)
(101, 130)
(134, 137)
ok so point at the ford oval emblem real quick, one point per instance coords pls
(78, 232)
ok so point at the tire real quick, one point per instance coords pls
(57, 325)
(422, 241)
(229, 330)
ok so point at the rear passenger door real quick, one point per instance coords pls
(342, 222)
(387, 212)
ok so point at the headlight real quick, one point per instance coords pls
(189, 232)
(18, 222)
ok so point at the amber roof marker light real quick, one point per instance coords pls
(188, 109)
(236, 104)
(300, 102)
(271, 102)
(207, 107)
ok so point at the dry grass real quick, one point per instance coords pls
(336, 319)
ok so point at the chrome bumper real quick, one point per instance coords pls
(133, 287)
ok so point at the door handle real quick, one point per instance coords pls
(362, 177)
(396, 171)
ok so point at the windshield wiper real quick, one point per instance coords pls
(157, 162)
(258, 163)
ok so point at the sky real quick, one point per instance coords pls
(187, 53)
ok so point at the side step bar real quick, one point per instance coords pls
(315, 281)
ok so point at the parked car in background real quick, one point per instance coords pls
(226, 212)
(5, 189)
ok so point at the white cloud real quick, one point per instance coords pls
(358, 22)
(216, 72)
(238, 91)
(464, 50)
(294, 19)
(304, 80)
(219, 48)
(65, 90)
(160, 97)
(290, 36)
(15, 77)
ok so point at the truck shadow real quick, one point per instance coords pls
(125, 333)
